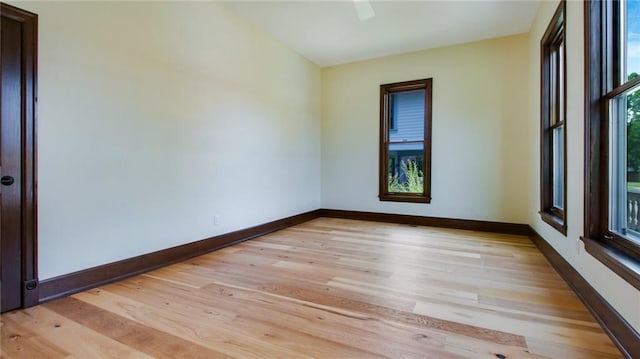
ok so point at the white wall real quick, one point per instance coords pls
(480, 145)
(154, 117)
(621, 295)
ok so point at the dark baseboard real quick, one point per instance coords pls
(622, 334)
(474, 225)
(620, 331)
(92, 277)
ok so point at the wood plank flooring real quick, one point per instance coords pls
(328, 288)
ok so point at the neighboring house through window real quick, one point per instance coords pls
(612, 136)
(553, 161)
(405, 141)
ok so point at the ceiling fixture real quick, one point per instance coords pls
(364, 9)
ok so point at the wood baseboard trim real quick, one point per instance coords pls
(621, 332)
(92, 277)
(71, 283)
(468, 224)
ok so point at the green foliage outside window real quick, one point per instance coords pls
(413, 179)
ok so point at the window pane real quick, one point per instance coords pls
(558, 167)
(408, 120)
(631, 38)
(406, 167)
(625, 164)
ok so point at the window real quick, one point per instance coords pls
(612, 136)
(405, 141)
(553, 186)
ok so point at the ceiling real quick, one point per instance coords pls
(331, 33)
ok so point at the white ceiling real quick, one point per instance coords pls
(330, 33)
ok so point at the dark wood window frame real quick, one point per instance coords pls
(603, 81)
(553, 115)
(385, 127)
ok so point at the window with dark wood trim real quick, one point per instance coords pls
(612, 107)
(405, 141)
(553, 152)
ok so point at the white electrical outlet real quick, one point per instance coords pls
(216, 219)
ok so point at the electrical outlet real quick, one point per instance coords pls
(216, 219)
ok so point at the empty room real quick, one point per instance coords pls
(320, 179)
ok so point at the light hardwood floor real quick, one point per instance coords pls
(327, 288)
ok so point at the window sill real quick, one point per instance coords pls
(405, 198)
(623, 264)
(554, 221)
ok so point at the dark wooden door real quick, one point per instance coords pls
(17, 206)
(10, 167)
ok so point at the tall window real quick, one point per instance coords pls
(553, 186)
(612, 184)
(405, 141)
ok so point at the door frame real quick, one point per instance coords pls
(29, 21)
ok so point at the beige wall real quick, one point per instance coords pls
(479, 138)
(622, 296)
(154, 117)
